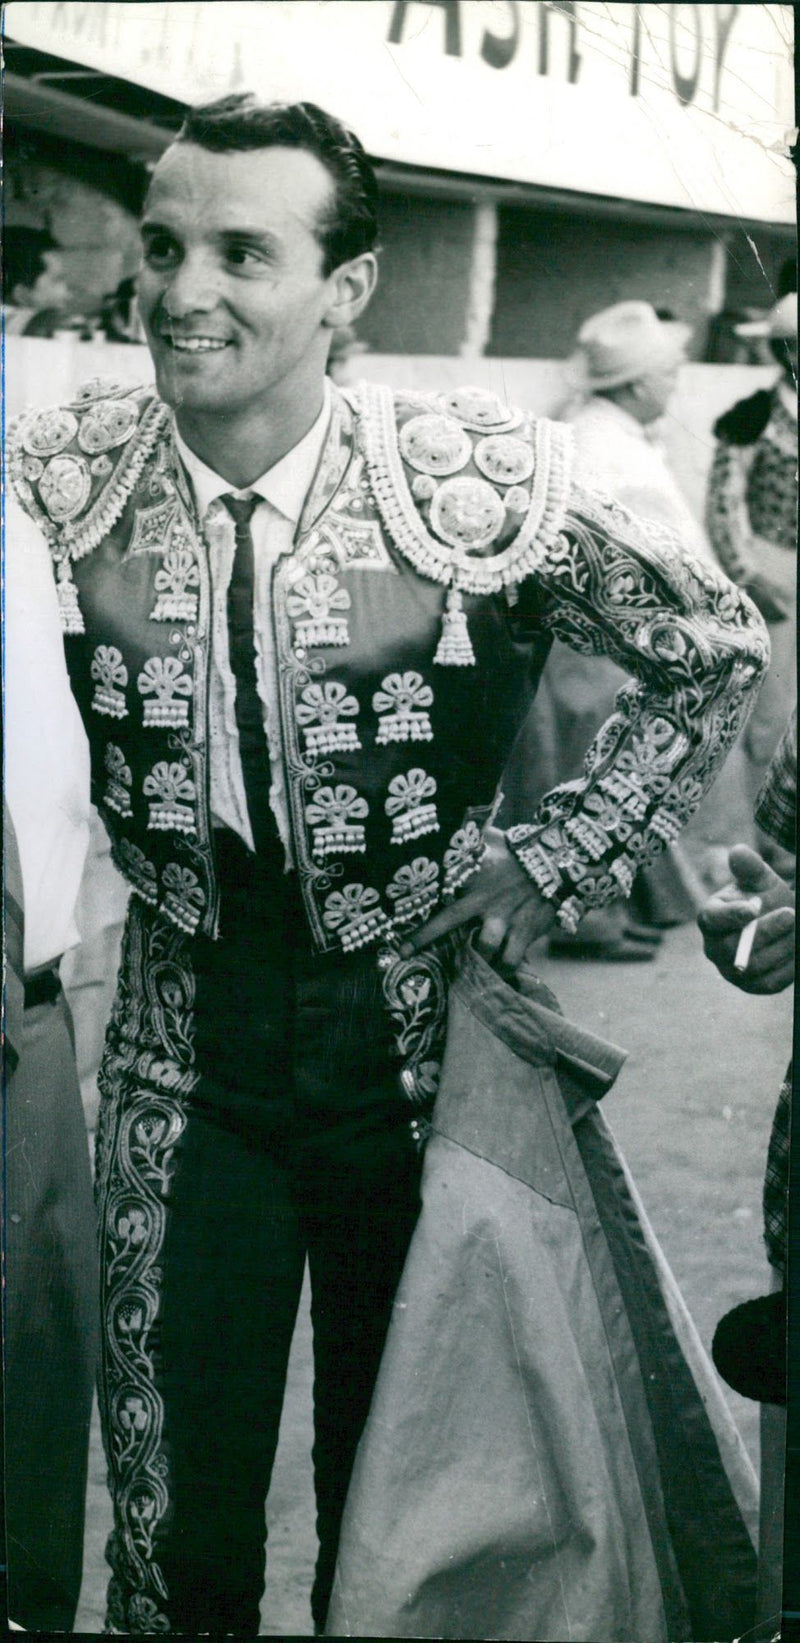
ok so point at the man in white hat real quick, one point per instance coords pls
(752, 520)
(626, 369)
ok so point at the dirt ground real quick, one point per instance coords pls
(691, 1111)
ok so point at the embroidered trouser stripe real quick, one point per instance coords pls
(288, 1135)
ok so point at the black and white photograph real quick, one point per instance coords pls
(399, 578)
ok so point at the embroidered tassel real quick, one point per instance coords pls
(67, 593)
(455, 647)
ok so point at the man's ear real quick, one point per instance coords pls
(351, 286)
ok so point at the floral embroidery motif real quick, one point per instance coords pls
(435, 444)
(166, 686)
(356, 913)
(165, 786)
(353, 544)
(335, 815)
(151, 527)
(414, 890)
(97, 388)
(117, 794)
(135, 867)
(469, 567)
(111, 676)
(504, 459)
(403, 700)
(184, 899)
(310, 605)
(146, 1074)
(467, 513)
(173, 583)
(415, 992)
(480, 410)
(517, 499)
(65, 487)
(49, 432)
(325, 713)
(101, 466)
(108, 423)
(462, 857)
(661, 615)
(409, 806)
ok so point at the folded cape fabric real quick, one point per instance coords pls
(548, 1454)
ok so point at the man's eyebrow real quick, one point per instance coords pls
(227, 236)
(255, 236)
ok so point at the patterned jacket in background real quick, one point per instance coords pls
(752, 490)
(441, 548)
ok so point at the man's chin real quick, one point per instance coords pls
(192, 385)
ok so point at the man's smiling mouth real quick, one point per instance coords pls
(194, 345)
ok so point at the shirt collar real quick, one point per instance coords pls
(285, 486)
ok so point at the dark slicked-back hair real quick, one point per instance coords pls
(240, 122)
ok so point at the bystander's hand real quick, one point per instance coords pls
(757, 896)
(511, 911)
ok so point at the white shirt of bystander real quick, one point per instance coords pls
(619, 456)
(46, 753)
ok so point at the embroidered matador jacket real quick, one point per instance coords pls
(441, 549)
(752, 491)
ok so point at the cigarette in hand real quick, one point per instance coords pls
(745, 946)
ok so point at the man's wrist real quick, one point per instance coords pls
(553, 883)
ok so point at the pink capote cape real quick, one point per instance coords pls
(548, 1454)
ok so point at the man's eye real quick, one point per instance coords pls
(245, 257)
(161, 251)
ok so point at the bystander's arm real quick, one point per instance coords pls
(46, 750)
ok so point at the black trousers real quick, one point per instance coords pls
(297, 1145)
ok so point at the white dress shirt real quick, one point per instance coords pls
(281, 493)
(46, 750)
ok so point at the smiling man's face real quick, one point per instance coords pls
(231, 289)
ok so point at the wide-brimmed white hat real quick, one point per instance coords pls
(623, 343)
(780, 323)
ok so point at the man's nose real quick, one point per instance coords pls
(192, 288)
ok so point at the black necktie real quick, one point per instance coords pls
(253, 746)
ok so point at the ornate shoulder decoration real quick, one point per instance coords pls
(74, 466)
(478, 512)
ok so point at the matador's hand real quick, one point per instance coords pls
(513, 913)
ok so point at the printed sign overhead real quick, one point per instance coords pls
(679, 105)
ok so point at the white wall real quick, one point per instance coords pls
(40, 371)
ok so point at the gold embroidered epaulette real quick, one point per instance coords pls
(471, 491)
(73, 467)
